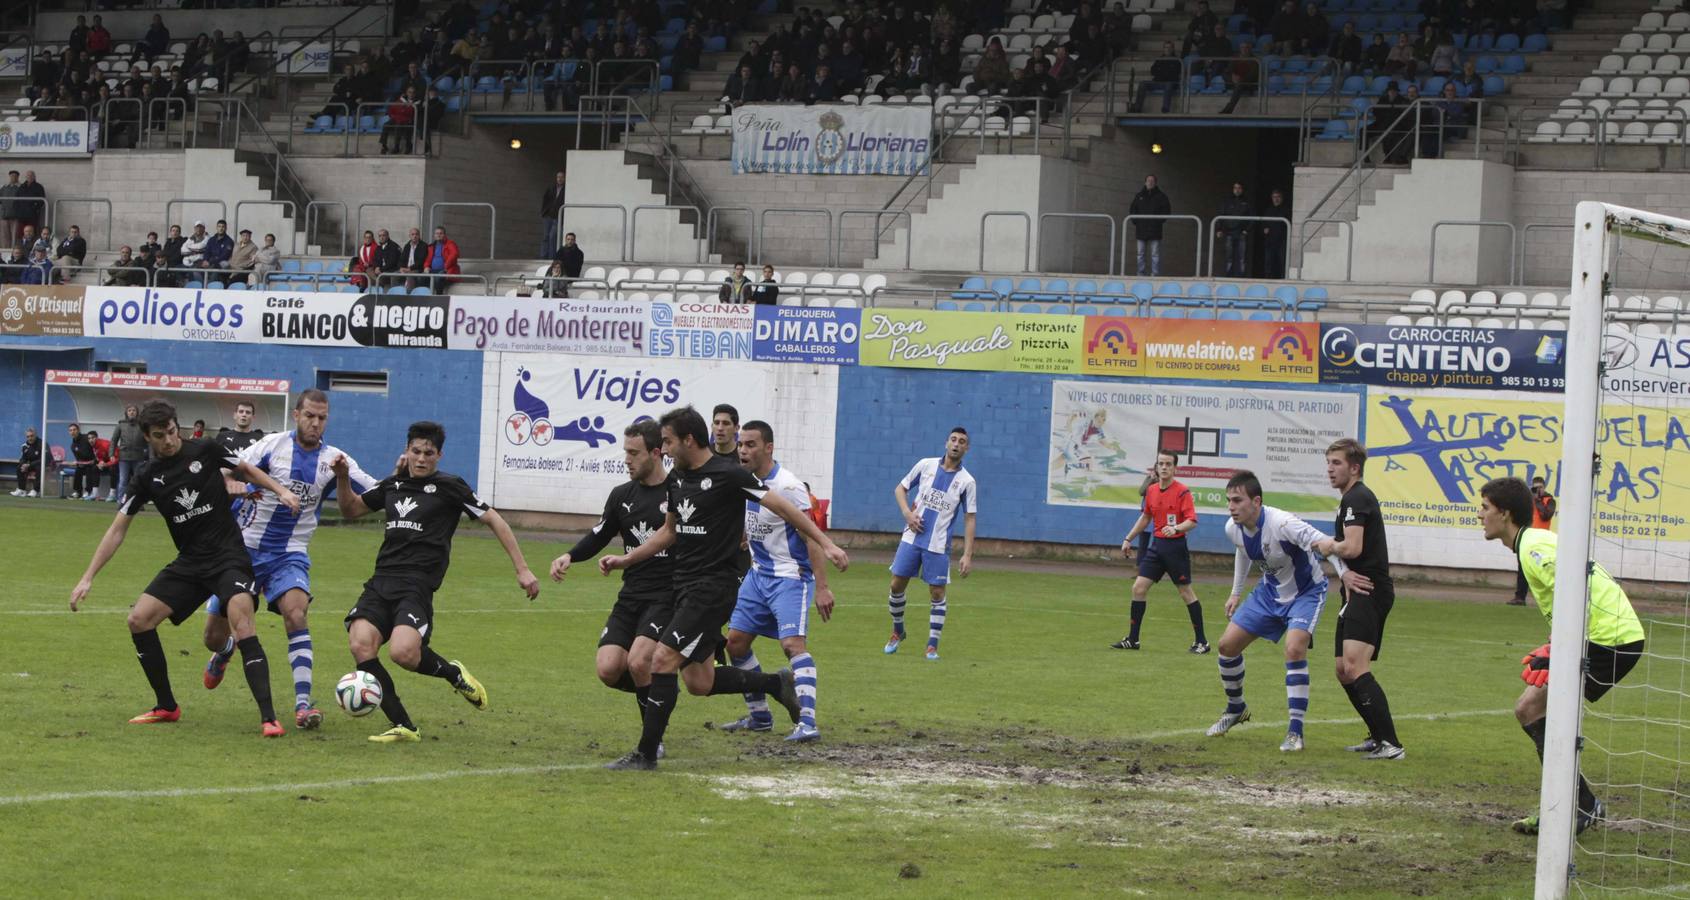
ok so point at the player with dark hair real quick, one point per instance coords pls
(703, 529)
(243, 435)
(1613, 635)
(724, 431)
(1368, 595)
(277, 540)
(1285, 604)
(184, 479)
(930, 496)
(635, 512)
(423, 506)
(1169, 513)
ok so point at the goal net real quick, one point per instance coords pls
(1624, 486)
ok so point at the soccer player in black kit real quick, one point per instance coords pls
(423, 506)
(634, 512)
(184, 479)
(1368, 594)
(243, 435)
(703, 530)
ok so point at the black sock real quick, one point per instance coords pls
(1195, 611)
(436, 665)
(639, 699)
(1137, 616)
(1355, 701)
(390, 705)
(1587, 797)
(664, 692)
(625, 683)
(257, 669)
(151, 653)
(733, 680)
(1375, 710)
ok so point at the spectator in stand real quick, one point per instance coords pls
(1445, 59)
(268, 259)
(1347, 50)
(72, 250)
(947, 66)
(389, 256)
(1118, 30)
(442, 261)
(568, 261)
(742, 88)
(218, 248)
(1216, 54)
(767, 291)
(83, 475)
(146, 255)
(1424, 47)
(10, 227)
(689, 49)
(17, 262)
(193, 249)
(1286, 26)
(1314, 32)
(1273, 236)
(1469, 83)
(156, 41)
(99, 40)
(77, 42)
(1164, 79)
(1390, 126)
(125, 271)
(822, 89)
(793, 88)
(237, 58)
(343, 97)
(242, 258)
(105, 462)
(29, 465)
(172, 256)
(1400, 62)
(1198, 30)
(401, 124)
(433, 112)
(991, 73)
(1245, 75)
(1377, 55)
(366, 263)
(31, 201)
(39, 269)
(1235, 232)
(1150, 202)
(413, 257)
(550, 203)
(736, 288)
(1454, 114)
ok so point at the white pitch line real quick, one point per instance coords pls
(1252, 726)
(518, 771)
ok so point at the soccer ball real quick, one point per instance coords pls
(358, 693)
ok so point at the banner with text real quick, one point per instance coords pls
(253, 317)
(1201, 349)
(700, 330)
(879, 139)
(806, 334)
(48, 138)
(1429, 453)
(994, 342)
(539, 325)
(1416, 356)
(555, 430)
(14, 61)
(41, 309)
(1104, 437)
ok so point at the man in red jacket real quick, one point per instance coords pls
(442, 259)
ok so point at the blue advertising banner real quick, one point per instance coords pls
(1420, 356)
(806, 334)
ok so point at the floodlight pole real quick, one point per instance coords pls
(1558, 800)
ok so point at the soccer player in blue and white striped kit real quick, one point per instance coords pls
(276, 538)
(774, 599)
(1285, 604)
(930, 497)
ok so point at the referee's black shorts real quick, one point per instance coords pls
(1362, 618)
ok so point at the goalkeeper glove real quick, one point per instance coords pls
(1536, 663)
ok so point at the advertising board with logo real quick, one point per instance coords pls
(1104, 437)
(312, 319)
(41, 309)
(928, 339)
(806, 334)
(1418, 356)
(881, 139)
(14, 61)
(555, 428)
(303, 58)
(1208, 350)
(1645, 366)
(540, 325)
(147, 381)
(49, 138)
(695, 330)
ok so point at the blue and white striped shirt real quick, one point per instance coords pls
(937, 495)
(1282, 547)
(271, 529)
(777, 549)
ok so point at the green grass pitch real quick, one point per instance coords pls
(1030, 760)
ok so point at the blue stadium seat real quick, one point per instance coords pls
(237, 285)
(1227, 291)
(715, 44)
(1295, 65)
(1535, 43)
(214, 285)
(1060, 309)
(1353, 86)
(973, 287)
(1172, 312)
(1495, 86)
(1230, 315)
(1114, 290)
(1197, 83)
(1392, 22)
(1029, 308)
(420, 290)
(1026, 289)
(1513, 64)
(675, 25)
(393, 289)
(320, 125)
(1508, 43)
(445, 84)
(1315, 293)
(194, 285)
(1054, 290)
(665, 83)
(1380, 82)
(289, 267)
(975, 306)
(455, 103)
(1276, 85)
(1257, 291)
(1142, 290)
(312, 266)
(344, 289)
(367, 125)
(486, 84)
(1200, 314)
(1335, 130)
(1118, 311)
(1197, 295)
(1286, 294)
(1261, 315)
(1085, 288)
(1485, 65)
(1002, 287)
(1170, 289)
(1085, 311)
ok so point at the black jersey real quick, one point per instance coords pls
(708, 504)
(422, 516)
(1360, 507)
(236, 441)
(634, 511)
(188, 490)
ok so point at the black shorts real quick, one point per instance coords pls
(185, 586)
(702, 610)
(390, 602)
(1607, 665)
(1166, 556)
(634, 617)
(1362, 618)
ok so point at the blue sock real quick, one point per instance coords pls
(935, 623)
(300, 658)
(895, 605)
(1232, 680)
(228, 651)
(804, 674)
(1297, 693)
(756, 703)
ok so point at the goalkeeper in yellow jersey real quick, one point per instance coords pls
(1613, 636)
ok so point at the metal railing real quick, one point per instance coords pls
(96, 201)
(1606, 132)
(621, 239)
(909, 227)
(634, 228)
(1026, 236)
(386, 281)
(234, 121)
(1109, 248)
(492, 220)
(411, 205)
(313, 222)
(1215, 224)
(711, 217)
(1349, 230)
(600, 109)
(288, 215)
(676, 176)
(170, 206)
(763, 218)
(1129, 237)
(1526, 239)
(1432, 252)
